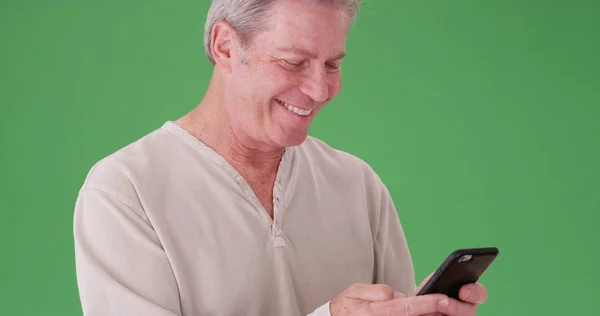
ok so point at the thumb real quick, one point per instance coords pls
(372, 292)
(424, 282)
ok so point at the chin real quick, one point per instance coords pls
(292, 140)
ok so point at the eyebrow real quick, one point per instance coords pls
(305, 52)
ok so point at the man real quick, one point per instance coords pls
(232, 209)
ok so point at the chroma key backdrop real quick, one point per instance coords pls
(482, 118)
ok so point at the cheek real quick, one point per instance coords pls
(256, 87)
(282, 80)
(334, 84)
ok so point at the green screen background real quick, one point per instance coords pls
(482, 117)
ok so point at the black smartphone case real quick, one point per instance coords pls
(454, 272)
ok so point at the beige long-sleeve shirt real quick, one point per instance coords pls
(165, 226)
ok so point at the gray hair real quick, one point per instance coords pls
(247, 17)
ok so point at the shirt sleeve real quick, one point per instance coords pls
(120, 265)
(322, 310)
(393, 262)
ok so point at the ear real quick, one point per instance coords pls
(222, 44)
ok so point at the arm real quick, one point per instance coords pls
(121, 266)
(393, 262)
(393, 293)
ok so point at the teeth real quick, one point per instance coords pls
(297, 110)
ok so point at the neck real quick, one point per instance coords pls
(209, 123)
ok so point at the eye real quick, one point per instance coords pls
(332, 66)
(292, 63)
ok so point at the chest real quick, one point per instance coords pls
(258, 184)
(232, 265)
(263, 189)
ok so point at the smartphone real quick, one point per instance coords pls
(463, 266)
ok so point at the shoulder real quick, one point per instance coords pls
(339, 164)
(122, 172)
(326, 154)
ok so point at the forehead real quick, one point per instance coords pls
(306, 25)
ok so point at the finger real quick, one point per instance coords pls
(475, 293)
(370, 292)
(458, 308)
(417, 305)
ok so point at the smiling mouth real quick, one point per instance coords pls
(294, 109)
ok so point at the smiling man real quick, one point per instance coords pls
(233, 209)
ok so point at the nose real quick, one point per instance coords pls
(315, 85)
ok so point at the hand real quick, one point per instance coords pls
(380, 299)
(471, 295)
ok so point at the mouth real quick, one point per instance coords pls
(294, 109)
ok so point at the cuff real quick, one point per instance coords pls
(322, 310)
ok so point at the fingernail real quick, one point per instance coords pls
(443, 304)
(468, 293)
